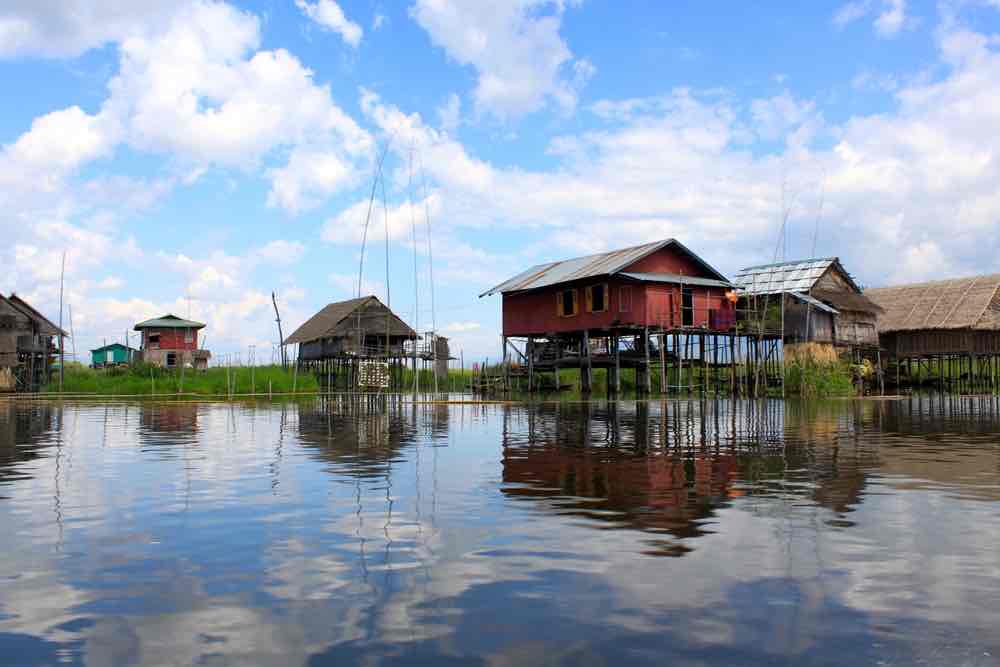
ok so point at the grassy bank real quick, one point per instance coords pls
(143, 379)
(811, 379)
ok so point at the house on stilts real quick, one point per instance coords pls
(358, 343)
(656, 304)
(28, 346)
(820, 310)
(945, 332)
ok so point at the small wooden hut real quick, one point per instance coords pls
(333, 342)
(817, 304)
(114, 354)
(954, 324)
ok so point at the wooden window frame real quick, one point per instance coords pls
(189, 335)
(590, 299)
(560, 310)
(625, 299)
(153, 344)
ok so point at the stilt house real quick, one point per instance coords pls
(333, 341)
(943, 322)
(581, 312)
(171, 342)
(812, 301)
(27, 345)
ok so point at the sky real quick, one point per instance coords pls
(194, 156)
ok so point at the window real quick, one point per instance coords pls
(597, 299)
(687, 307)
(154, 341)
(171, 359)
(566, 303)
(624, 299)
(188, 335)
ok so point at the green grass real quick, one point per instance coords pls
(142, 379)
(819, 380)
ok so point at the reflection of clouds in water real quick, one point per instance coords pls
(333, 530)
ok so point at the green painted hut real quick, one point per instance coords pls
(112, 355)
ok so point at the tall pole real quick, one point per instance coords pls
(281, 336)
(62, 356)
(430, 268)
(72, 334)
(416, 274)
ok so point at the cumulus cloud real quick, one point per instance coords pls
(515, 47)
(680, 165)
(328, 14)
(66, 28)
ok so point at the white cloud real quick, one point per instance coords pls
(66, 28)
(679, 165)
(891, 15)
(890, 21)
(328, 14)
(280, 252)
(515, 47)
(309, 177)
(450, 114)
(460, 327)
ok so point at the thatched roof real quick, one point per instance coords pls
(962, 303)
(343, 317)
(847, 300)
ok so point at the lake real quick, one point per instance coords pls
(340, 531)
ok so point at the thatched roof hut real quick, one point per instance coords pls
(943, 317)
(962, 303)
(353, 327)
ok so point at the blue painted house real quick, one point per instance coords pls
(112, 355)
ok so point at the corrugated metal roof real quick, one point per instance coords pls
(169, 321)
(797, 276)
(602, 264)
(675, 278)
(816, 303)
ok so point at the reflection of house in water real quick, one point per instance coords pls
(362, 430)
(609, 463)
(25, 433)
(168, 424)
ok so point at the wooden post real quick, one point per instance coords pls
(618, 367)
(663, 363)
(586, 375)
(647, 376)
(531, 364)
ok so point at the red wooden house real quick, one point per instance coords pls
(659, 286)
(171, 342)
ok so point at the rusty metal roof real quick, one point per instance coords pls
(602, 264)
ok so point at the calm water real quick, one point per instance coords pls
(326, 532)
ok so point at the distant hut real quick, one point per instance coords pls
(171, 342)
(114, 354)
(334, 341)
(947, 322)
(824, 310)
(27, 345)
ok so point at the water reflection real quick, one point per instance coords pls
(343, 531)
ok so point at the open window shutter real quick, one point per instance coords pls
(590, 299)
(559, 311)
(576, 302)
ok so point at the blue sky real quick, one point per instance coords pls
(194, 155)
